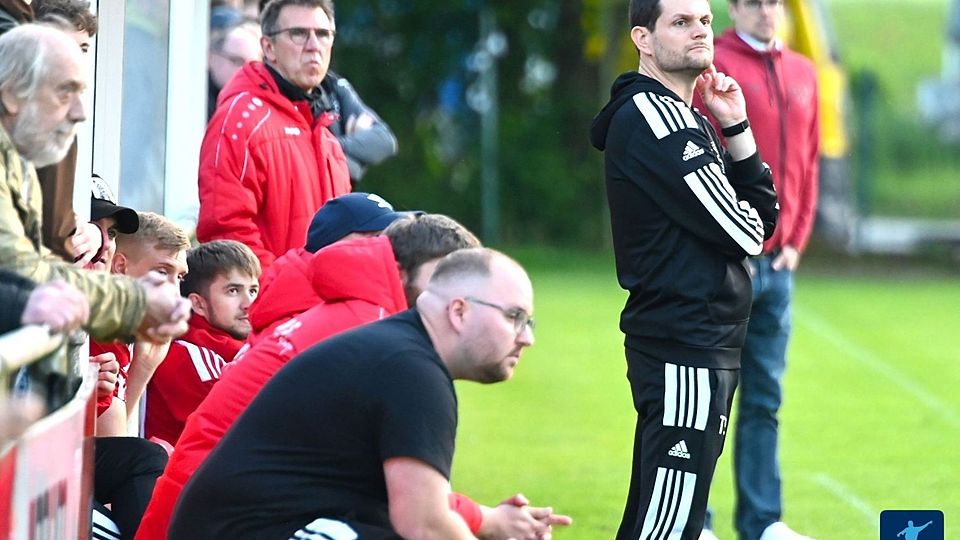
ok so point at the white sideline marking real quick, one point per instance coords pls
(852, 350)
(849, 497)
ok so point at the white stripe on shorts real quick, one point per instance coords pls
(669, 506)
(686, 396)
(325, 529)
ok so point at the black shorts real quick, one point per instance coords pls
(682, 418)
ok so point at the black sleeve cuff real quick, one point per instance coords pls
(748, 168)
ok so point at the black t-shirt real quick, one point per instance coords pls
(313, 442)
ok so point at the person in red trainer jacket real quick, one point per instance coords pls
(780, 88)
(221, 285)
(268, 161)
(285, 288)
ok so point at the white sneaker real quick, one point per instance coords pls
(707, 534)
(780, 531)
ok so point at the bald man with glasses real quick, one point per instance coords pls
(269, 160)
(369, 417)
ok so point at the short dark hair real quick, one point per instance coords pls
(76, 12)
(463, 264)
(421, 238)
(216, 258)
(271, 12)
(645, 13)
(458, 269)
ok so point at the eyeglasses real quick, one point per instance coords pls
(757, 5)
(517, 316)
(299, 35)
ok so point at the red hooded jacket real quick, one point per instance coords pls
(185, 377)
(780, 87)
(266, 166)
(358, 282)
(285, 291)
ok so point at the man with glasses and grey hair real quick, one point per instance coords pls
(369, 418)
(268, 160)
(780, 89)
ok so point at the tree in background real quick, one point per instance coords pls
(416, 64)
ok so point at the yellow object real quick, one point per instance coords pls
(809, 33)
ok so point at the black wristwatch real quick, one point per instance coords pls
(735, 129)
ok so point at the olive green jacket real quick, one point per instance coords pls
(117, 303)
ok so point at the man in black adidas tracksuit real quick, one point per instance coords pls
(685, 214)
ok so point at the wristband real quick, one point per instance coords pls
(735, 129)
(467, 509)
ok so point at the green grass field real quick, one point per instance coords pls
(871, 420)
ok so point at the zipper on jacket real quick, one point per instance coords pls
(782, 107)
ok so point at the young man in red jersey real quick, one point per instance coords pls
(222, 283)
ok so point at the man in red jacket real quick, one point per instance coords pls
(268, 161)
(780, 88)
(221, 285)
(349, 216)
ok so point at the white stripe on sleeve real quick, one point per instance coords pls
(664, 114)
(197, 357)
(738, 220)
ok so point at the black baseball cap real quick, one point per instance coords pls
(104, 204)
(350, 213)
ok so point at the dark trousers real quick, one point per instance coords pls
(125, 470)
(682, 418)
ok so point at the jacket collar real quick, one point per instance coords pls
(203, 334)
(316, 97)
(758, 45)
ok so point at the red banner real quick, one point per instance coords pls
(42, 493)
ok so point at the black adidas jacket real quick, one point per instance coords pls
(684, 219)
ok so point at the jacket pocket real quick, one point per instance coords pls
(731, 302)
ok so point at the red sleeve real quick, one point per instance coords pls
(181, 382)
(122, 353)
(334, 171)
(229, 182)
(468, 510)
(807, 203)
(103, 403)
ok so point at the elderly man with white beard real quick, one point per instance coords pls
(41, 81)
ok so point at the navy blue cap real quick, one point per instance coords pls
(223, 17)
(350, 213)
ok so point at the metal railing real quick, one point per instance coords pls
(25, 346)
